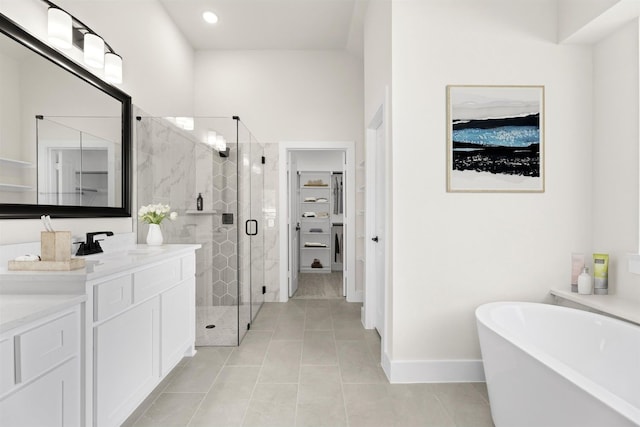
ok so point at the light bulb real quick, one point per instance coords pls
(59, 28)
(113, 67)
(210, 17)
(93, 50)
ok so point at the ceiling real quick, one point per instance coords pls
(270, 24)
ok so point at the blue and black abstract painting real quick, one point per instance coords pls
(495, 137)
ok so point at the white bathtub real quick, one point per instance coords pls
(552, 366)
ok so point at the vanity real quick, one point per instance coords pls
(86, 347)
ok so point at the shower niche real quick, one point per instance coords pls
(174, 166)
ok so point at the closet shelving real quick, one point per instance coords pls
(315, 222)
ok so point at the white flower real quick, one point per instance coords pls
(155, 213)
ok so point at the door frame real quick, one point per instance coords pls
(284, 147)
(382, 116)
(371, 198)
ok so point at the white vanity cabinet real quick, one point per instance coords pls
(144, 325)
(86, 347)
(40, 370)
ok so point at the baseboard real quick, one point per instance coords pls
(433, 371)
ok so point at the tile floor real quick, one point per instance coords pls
(317, 285)
(304, 363)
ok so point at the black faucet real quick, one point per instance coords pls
(90, 246)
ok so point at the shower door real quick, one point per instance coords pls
(250, 229)
(257, 235)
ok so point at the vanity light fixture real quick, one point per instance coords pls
(113, 67)
(209, 17)
(93, 50)
(65, 29)
(59, 28)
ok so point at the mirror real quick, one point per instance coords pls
(65, 135)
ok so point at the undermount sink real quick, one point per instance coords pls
(119, 254)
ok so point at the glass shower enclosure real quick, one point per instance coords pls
(177, 161)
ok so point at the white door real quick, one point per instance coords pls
(379, 226)
(345, 224)
(294, 225)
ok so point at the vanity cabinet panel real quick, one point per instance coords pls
(46, 345)
(7, 372)
(112, 297)
(175, 324)
(52, 400)
(40, 376)
(126, 362)
(152, 281)
(188, 266)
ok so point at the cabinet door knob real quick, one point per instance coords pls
(375, 239)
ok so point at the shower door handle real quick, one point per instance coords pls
(246, 227)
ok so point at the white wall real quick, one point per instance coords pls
(283, 95)
(377, 56)
(615, 155)
(453, 252)
(310, 160)
(377, 87)
(576, 14)
(158, 74)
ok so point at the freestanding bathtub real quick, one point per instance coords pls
(552, 366)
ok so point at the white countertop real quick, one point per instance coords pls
(610, 304)
(18, 310)
(100, 265)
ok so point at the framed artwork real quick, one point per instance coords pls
(495, 138)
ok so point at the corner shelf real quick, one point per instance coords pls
(608, 304)
(204, 212)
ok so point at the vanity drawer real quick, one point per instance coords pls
(188, 266)
(112, 297)
(46, 346)
(6, 365)
(152, 281)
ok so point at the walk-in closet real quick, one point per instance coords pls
(319, 199)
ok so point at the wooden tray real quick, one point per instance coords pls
(72, 264)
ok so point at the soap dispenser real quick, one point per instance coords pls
(585, 285)
(199, 202)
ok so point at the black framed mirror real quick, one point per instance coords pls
(65, 134)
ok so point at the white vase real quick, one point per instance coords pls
(154, 235)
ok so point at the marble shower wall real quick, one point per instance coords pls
(172, 168)
(271, 221)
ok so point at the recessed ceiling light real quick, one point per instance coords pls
(210, 17)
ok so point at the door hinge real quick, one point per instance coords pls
(264, 290)
(248, 326)
(264, 160)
